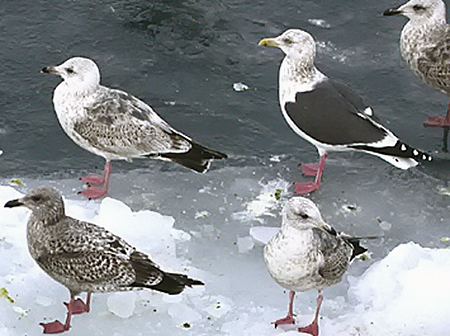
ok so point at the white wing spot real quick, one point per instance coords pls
(430, 158)
(424, 157)
(415, 152)
(403, 147)
(368, 111)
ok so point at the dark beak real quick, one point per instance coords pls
(13, 203)
(392, 12)
(49, 70)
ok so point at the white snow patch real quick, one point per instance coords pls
(265, 203)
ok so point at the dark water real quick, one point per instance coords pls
(191, 52)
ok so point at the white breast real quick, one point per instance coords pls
(292, 260)
(69, 109)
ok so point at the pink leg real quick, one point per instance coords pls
(310, 169)
(74, 307)
(57, 327)
(101, 191)
(441, 122)
(289, 319)
(77, 306)
(313, 328)
(306, 188)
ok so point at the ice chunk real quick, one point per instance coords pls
(240, 87)
(122, 304)
(245, 244)
(262, 234)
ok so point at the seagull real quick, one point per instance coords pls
(329, 114)
(84, 257)
(307, 254)
(116, 125)
(425, 46)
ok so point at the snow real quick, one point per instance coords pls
(239, 87)
(214, 230)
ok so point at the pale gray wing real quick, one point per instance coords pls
(121, 124)
(336, 254)
(435, 64)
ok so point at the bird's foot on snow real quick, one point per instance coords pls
(287, 320)
(310, 169)
(77, 307)
(312, 329)
(55, 327)
(93, 179)
(92, 193)
(306, 188)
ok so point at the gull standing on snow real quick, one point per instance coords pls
(425, 46)
(117, 126)
(328, 114)
(306, 254)
(87, 258)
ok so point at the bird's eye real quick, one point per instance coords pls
(303, 215)
(70, 71)
(36, 198)
(418, 8)
(287, 40)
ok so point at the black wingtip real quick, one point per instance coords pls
(173, 283)
(198, 158)
(400, 149)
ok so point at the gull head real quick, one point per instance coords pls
(302, 213)
(47, 201)
(79, 73)
(420, 10)
(295, 43)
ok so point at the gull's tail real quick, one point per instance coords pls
(355, 243)
(198, 158)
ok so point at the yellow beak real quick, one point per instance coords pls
(268, 42)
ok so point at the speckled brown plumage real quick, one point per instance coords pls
(87, 258)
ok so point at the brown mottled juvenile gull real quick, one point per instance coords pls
(425, 46)
(116, 125)
(329, 114)
(306, 254)
(87, 258)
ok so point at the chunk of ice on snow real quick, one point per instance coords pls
(122, 304)
(245, 244)
(262, 234)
